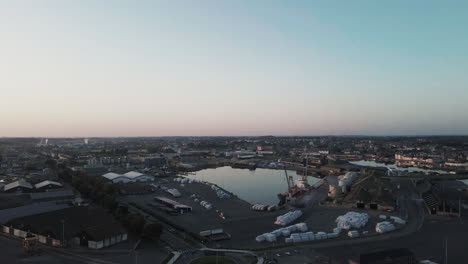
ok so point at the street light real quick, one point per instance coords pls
(63, 232)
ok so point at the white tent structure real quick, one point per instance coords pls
(131, 176)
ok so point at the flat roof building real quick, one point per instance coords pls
(88, 227)
(181, 208)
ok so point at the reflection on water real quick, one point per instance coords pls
(253, 186)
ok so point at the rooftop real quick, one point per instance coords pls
(18, 183)
(47, 182)
(129, 175)
(93, 221)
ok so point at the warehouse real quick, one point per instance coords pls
(56, 195)
(19, 186)
(131, 176)
(180, 208)
(78, 226)
(48, 185)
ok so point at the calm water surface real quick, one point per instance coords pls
(253, 186)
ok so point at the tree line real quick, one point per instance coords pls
(102, 192)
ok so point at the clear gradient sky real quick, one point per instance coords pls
(156, 68)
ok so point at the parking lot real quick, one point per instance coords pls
(239, 220)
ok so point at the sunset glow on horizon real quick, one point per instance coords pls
(229, 68)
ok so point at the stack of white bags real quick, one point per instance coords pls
(384, 227)
(259, 207)
(288, 217)
(285, 231)
(353, 234)
(352, 220)
(398, 220)
(310, 236)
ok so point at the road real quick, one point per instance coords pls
(411, 206)
(175, 242)
(427, 243)
(11, 251)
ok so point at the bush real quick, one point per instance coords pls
(152, 232)
(134, 223)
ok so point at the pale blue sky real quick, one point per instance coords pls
(153, 68)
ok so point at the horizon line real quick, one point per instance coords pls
(227, 136)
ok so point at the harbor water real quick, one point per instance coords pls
(253, 186)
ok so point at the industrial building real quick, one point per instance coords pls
(78, 226)
(19, 186)
(47, 185)
(53, 195)
(131, 176)
(22, 186)
(132, 188)
(180, 208)
(155, 162)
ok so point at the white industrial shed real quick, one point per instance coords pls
(48, 183)
(131, 176)
(18, 186)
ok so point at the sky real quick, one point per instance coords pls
(230, 68)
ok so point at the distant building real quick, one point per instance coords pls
(155, 162)
(131, 176)
(169, 154)
(265, 148)
(241, 153)
(53, 195)
(265, 152)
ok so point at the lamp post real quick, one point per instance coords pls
(63, 232)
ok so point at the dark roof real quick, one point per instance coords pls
(95, 222)
(390, 254)
(33, 179)
(134, 187)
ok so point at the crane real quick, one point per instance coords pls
(289, 179)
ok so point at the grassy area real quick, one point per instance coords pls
(213, 260)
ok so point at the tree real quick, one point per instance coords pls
(152, 232)
(135, 223)
(109, 202)
(51, 164)
(107, 188)
(65, 175)
(121, 212)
